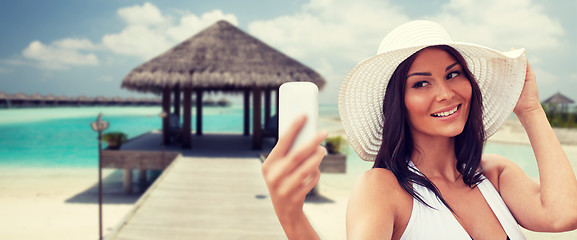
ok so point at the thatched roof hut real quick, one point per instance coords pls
(559, 101)
(61, 100)
(20, 96)
(221, 58)
(559, 98)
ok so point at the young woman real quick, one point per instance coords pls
(422, 109)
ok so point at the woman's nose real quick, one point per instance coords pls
(444, 91)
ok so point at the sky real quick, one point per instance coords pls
(73, 48)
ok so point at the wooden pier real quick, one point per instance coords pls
(213, 191)
(204, 193)
(204, 198)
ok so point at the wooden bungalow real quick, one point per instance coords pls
(559, 102)
(20, 99)
(221, 58)
(62, 100)
(117, 101)
(4, 100)
(37, 99)
(50, 100)
(100, 100)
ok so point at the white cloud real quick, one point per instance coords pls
(501, 24)
(71, 43)
(60, 54)
(149, 33)
(137, 40)
(331, 28)
(190, 24)
(331, 35)
(147, 14)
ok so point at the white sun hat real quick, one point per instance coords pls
(500, 76)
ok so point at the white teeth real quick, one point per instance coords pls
(447, 113)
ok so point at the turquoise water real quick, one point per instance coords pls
(62, 137)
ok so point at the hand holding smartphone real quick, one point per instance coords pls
(296, 99)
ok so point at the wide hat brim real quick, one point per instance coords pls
(500, 76)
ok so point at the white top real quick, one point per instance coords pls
(440, 223)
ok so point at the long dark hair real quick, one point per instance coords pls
(397, 146)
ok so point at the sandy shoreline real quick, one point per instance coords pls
(61, 203)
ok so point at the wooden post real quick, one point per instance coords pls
(127, 180)
(166, 109)
(186, 126)
(177, 100)
(256, 119)
(199, 112)
(246, 109)
(266, 107)
(142, 181)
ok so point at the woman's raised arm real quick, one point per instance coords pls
(551, 205)
(290, 175)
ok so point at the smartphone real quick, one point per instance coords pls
(295, 99)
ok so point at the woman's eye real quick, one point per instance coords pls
(420, 84)
(453, 74)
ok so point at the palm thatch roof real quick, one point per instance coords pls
(219, 58)
(559, 98)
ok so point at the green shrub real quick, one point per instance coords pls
(112, 136)
(335, 145)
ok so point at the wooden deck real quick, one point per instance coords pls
(204, 198)
(205, 193)
(213, 191)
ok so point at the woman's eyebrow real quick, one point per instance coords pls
(420, 74)
(429, 74)
(451, 66)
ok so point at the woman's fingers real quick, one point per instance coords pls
(303, 178)
(286, 165)
(286, 140)
(302, 192)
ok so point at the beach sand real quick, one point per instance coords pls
(62, 203)
(59, 203)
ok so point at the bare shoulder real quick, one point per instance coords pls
(377, 184)
(376, 203)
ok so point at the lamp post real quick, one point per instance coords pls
(162, 115)
(99, 126)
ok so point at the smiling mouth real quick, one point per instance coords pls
(447, 113)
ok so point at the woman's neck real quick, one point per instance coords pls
(435, 157)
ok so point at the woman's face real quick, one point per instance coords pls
(437, 95)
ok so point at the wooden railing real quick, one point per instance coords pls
(137, 160)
